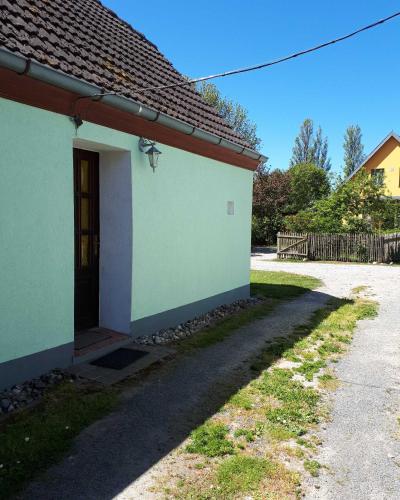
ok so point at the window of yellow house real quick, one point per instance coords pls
(378, 175)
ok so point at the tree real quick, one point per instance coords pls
(271, 192)
(353, 149)
(233, 113)
(321, 151)
(355, 206)
(308, 183)
(310, 148)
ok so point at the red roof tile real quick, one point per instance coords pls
(85, 39)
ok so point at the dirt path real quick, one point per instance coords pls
(118, 456)
(361, 446)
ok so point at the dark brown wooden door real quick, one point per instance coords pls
(87, 238)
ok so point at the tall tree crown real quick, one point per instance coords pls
(353, 149)
(310, 147)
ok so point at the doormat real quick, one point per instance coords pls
(119, 359)
(91, 337)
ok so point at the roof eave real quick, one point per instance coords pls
(44, 73)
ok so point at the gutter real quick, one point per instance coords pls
(25, 66)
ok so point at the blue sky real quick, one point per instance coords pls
(354, 82)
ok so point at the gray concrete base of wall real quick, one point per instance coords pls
(173, 317)
(19, 370)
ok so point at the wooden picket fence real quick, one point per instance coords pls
(349, 247)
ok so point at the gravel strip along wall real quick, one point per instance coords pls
(194, 325)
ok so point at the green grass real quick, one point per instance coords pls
(249, 435)
(242, 400)
(272, 286)
(281, 285)
(210, 440)
(310, 368)
(242, 474)
(297, 404)
(312, 466)
(36, 438)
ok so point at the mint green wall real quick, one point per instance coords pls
(185, 246)
(36, 230)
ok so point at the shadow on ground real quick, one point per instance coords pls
(156, 415)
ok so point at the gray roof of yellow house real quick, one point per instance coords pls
(389, 136)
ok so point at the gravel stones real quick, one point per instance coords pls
(22, 395)
(194, 325)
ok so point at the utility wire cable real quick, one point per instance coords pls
(268, 64)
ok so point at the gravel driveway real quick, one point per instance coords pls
(361, 445)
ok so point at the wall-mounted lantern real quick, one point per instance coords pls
(149, 148)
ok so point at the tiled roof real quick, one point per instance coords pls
(85, 39)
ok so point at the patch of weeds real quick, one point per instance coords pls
(279, 432)
(210, 440)
(302, 344)
(308, 355)
(290, 355)
(246, 433)
(293, 420)
(328, 381)
(304, 442)
(299, 453)
(298, 404)
(367, 309)
(310, 368)
(358, 289)
(345, 339)
(297, 408)
(242, 474)
(312, 466)
(200, 466)
(241, 400)
(259, 429)
(51, 427)
(328, 348)
(278, 383)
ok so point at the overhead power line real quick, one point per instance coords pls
(270, 63)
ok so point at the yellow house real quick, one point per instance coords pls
(384, 164)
